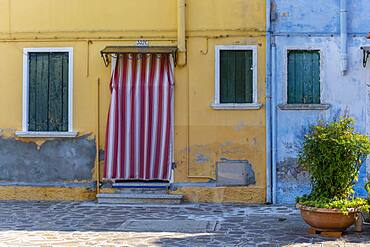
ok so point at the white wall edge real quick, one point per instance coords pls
(253, 106)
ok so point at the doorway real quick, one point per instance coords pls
(139, 133)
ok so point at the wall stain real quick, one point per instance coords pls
(62, 159)
(289, 169)
(240, 126)
(235, 172)
(208, 154)
(293, 180)
(201, 158)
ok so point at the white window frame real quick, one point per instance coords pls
(216, 104)
(25, 105)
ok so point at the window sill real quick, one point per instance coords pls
(251, 106)
(46, 134)
(304, 107)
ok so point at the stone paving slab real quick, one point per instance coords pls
(78, 224)
(155, 225)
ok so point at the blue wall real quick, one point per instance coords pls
(315, 24)
(320, 16)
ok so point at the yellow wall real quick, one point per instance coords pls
(90, 25)
(26, 193)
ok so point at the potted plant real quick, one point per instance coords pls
(333, 154)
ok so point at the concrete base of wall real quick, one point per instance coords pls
(252, 195)
(242, 194)
(25, 193)
(202, 193)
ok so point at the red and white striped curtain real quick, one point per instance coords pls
(140, 120)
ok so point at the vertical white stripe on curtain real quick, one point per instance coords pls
(139, 134)
(109, 132)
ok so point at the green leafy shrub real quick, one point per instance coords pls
(345, 205)
(333, 154)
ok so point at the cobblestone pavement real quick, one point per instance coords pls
(89, 224)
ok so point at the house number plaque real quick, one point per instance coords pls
(142, 43)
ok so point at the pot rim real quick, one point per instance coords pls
(325, 210)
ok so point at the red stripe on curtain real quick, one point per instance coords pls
(139, 126)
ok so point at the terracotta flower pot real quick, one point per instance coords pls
(327, 220)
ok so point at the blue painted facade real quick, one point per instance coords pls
(302, 24)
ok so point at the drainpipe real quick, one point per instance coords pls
(181, 62)
(97, 172)
(181, 25)
(181, 38)
(343, 37)
(268, 102)
(274, 122)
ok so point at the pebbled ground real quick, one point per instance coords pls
(90, 224)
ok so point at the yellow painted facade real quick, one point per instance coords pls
(240, 194)
(90, 25)
(46, 193)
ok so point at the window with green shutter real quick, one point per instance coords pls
(48, 76)
(304, 77)
(236, 76)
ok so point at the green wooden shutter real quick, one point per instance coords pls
(48, 91)
(236, 76)
(304, 77)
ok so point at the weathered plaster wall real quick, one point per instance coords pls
(250, 194)
(202, 135)
(55, 193)
(209, 135)
(52, 161)
(321, 16)
(26, 162)
(315, 25)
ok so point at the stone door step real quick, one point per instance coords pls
(141, 190)
(138, 185)
(132, 198)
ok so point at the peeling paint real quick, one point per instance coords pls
(315, 25)
(293, 180)
(209, 154)
(7, 133)
(289, 169)
(201, 158)
(235, 173)
(53, 161)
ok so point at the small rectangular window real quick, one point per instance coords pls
(236, 77)
(47, 93)
(304, 77)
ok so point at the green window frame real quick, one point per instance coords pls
(303, 77)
